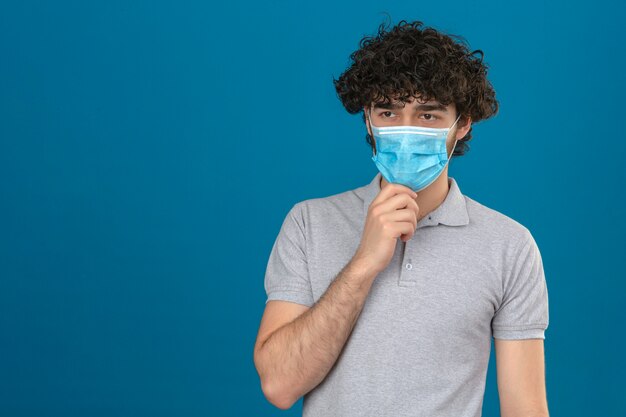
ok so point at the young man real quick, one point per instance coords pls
(382, 300)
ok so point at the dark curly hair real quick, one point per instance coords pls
(408, 61)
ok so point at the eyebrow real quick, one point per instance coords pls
(426, 107)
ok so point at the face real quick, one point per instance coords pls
(418, 113)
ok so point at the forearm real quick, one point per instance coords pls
(299, 355)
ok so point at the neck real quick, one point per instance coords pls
(430, 197)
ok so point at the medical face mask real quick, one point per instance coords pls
(411, 155)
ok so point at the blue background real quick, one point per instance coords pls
(150, 151)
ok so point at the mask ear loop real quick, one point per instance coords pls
(370, 120)
(455, 141)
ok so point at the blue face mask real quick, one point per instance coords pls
(411, 155)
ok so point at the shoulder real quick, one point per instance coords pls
(330, 210)
(346, 201)
(496, 225)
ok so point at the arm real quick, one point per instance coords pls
(521, 378)
(296, 357)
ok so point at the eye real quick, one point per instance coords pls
(431, 116)
(385, 114)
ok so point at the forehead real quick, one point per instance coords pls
(412, 103)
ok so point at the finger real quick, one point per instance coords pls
(402, 215)
(398, 229)
(415, 207)
(392, 189)
(397, 202)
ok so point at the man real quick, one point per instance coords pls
(382, 300)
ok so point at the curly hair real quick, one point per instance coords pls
(408, 61)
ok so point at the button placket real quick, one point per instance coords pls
(407, 275)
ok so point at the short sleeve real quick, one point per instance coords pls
(523, 312)
(287, 275)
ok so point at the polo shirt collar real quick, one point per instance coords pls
(451, 212)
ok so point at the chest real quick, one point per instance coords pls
(439, 281)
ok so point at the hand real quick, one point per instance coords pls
(391, 215)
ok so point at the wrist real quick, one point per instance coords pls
(362, 269)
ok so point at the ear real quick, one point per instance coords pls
(367, 125)
(463, 129)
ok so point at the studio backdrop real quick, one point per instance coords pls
(149, 152)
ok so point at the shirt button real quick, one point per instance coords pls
(409, 266)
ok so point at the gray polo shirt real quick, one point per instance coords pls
(422, 342)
